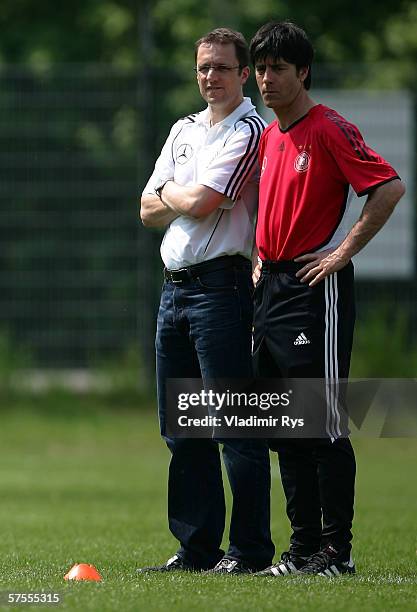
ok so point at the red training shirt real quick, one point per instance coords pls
(305, 178)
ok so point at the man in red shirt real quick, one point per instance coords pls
(304, 297)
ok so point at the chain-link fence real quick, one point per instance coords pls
(79, 276)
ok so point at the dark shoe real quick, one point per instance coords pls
(176, 563)
(289, 564)
(329, 562)
(230, 566)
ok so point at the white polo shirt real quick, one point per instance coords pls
(223, 157)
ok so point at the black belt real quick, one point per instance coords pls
(219, 263)
(281, 266)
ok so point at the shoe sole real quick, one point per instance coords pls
(160, 570)
(330, 574)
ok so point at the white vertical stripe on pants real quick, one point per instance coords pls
(330, 357)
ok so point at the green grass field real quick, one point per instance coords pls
(80, 482)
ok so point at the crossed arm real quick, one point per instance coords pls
(194, 201)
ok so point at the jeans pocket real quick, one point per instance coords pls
(220, 280)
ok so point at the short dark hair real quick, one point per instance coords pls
(285, 40)
(226, 36)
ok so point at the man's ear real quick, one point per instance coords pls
(245, 74)
(303, 73)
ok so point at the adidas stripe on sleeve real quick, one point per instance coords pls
(362, 167)
(231, 169)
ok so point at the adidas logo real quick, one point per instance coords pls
(301, 339)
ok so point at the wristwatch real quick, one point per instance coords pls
(158, 190)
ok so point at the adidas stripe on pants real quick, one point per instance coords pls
(307, 332)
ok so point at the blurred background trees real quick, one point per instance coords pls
(88, 91)
(44, 33)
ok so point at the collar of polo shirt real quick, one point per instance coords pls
(245, 106)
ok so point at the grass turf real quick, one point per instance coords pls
(80, 482)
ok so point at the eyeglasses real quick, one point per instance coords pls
(220, 68)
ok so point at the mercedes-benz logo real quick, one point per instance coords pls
(184, 153)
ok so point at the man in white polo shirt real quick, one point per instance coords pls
(204, 189)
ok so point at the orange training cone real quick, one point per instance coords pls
(83, 571)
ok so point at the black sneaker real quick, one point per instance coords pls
(328, 562)
(289, 564)
(176, 563)
(230, 566)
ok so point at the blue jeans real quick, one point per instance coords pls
(204, 331)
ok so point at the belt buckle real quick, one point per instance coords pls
(183, 275)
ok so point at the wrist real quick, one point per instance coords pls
(159, 189)
(343, 254)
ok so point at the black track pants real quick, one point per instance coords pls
(307, 332)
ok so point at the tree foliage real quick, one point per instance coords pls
(44, 32)
(89, 89)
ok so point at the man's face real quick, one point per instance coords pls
(220, 86)
(279, 82)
